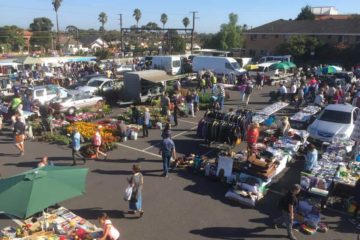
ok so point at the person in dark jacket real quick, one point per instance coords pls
(287, 205)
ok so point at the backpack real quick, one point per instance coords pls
(248, 90)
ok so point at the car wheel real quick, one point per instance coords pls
(72, 111)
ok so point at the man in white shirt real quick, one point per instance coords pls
(282, 92)
(319, 99)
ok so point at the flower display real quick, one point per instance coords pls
(88, 129)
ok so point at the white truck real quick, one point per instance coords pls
(219, 65)
(170, 64)
(264, 69)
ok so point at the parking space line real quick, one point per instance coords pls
(180, 120)
(151, 146)
(17, 221)
(139, 150)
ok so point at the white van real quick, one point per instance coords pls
(220, 65)
(263, 69)
(285, 58)
(170, 64)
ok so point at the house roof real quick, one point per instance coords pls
(87, 40)
(314, 27)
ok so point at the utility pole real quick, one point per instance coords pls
(192, 30)
(121, 35)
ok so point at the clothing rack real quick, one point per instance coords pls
(222, 127)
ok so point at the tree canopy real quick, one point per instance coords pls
(41, 24)
(186, 22)
(137, 16)
(12, 37)
(42, 37)
(306, 14)
(229, 36)
(163, 19)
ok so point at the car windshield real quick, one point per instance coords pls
(336, 116)
(95, 83)
(235, 65)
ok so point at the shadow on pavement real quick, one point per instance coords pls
(94, 213)
(230, 233)
(148, 173)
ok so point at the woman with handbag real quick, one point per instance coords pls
(136, 181)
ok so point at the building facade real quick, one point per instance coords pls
(265, 39)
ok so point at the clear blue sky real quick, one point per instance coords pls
(211, 13)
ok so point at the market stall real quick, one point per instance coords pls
(264, 114)
(59, 223)
(303, 118)
(261, 168)
(336, 171)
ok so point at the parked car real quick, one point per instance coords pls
(99, 84)
(335, 121)
(75, 101)
(347, 76)
(85, 79)
(124, 68)
(44, 94)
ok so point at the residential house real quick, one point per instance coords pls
(93, 42)
(265, 39)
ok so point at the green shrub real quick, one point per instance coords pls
(106, 109)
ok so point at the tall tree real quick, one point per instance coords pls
(102, 19)
(163, 19)
(137, 16)
(306, 14)
(74, 32)
(186, 22)
(57, 4)
(12, 38)
(230, 34)
(42, 37)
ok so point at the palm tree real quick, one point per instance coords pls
(186, 22)
(57, 4)
(102, 19)
(163, 19)
(137, 16)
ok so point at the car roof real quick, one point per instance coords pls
(100, 79)
(340, 107)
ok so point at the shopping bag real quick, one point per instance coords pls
(128, 193)
(238, 141)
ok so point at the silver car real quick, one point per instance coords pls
(75, 101)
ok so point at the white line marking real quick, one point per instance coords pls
(139, 150)
(180, 120)
(151, 146)
(179, 134)
(210, 151)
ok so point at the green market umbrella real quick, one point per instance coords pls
(29, 61)
(291, 64)
(330, 69)
(280, 66)
(25, 194)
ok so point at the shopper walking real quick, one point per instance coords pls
(146, 123)
(136, 182)
(76, 145)
(97, 141)
(287, 206)
(190, 103)
(19, 135)
(167, 150)
(248, 91)
(242, 88)
(109, 231)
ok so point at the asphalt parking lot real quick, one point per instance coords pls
(184, 206)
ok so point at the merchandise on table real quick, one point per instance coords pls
(302, 118)
(262, 115)
(333, 167)
(58, 224)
